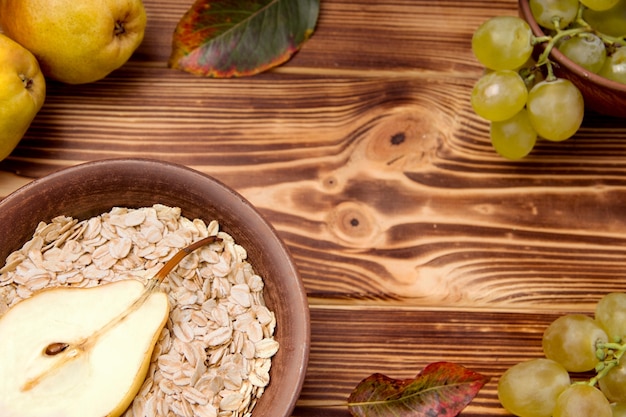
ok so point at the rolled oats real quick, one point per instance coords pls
(213, 357)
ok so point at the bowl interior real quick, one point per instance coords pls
(93, 188)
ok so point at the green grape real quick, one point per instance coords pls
(611, 22)
(503, 42)
(556, 109)
(611, 315)
(599, 5)
(582, 400)
(571, 340)
(613, 384)
(544, 12)
(530, 389)
(618, 409)
(615, 66)
(499, 95)
(587, 50)
(513, 138)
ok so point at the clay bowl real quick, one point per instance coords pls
(94, 188)
(601, 95)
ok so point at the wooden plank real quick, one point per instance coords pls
(365, 35)
(350, 343)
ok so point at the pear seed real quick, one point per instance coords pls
(55, 348)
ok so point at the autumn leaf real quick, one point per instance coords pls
(234, 38)
(442, 389)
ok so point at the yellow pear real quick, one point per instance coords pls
(76, 42)
(22, 93)
(82, 352)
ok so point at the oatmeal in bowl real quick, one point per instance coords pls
(236, 339)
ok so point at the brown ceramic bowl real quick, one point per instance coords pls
(601, 95)
(95, 187)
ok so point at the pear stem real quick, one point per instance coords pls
(171, 264)
(66, 352)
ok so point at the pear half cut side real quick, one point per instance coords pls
(79, 352)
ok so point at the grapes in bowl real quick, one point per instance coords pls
(602, 82)
(546, 67)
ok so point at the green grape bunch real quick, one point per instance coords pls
(574, 344)
(521, 97)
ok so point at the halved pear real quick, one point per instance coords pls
(79, 352)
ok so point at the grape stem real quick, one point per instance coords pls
(607, 39)
(553, 40)
(583, 29)
(614, 352)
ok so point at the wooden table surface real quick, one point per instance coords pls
(416, 243)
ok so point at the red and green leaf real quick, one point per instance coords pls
(234, 38)
(442, 389)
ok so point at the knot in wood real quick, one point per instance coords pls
(353, 223)
(402, 139)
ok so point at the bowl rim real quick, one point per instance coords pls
(299, 322)
(560, 58)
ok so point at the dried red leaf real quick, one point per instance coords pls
(234, 38)
(442, 389)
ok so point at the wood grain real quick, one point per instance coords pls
(405, 341)
(416, 243)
